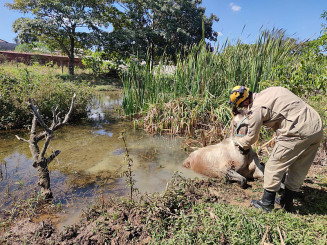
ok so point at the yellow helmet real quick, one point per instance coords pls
(238, 95)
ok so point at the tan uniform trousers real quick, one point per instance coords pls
(295, 162)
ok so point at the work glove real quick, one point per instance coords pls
(240, 147)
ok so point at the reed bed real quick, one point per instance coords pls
(203, 79)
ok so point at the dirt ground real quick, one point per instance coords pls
(110, 215)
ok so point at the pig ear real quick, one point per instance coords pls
(235, 111)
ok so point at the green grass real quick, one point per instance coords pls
(202, 220)
(228, 224)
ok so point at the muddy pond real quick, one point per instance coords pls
(91, 160)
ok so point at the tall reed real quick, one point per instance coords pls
(206, 77)
(205, 73)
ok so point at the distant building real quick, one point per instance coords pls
(4, 45)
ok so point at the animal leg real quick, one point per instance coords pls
(232, 175)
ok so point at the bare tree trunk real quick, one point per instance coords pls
(44, 179)
(71, 65)
(40, 162)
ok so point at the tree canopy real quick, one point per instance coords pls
(64, 24)
(140, 27)
(155, 27)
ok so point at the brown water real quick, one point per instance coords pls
(91, 160)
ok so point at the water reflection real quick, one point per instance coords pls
(103, 132)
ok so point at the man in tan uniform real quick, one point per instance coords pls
(299, 131)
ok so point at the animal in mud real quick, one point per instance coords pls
(225, 158)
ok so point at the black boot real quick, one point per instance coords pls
(286, 199)
(267, 201)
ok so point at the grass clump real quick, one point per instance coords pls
(202, 215)
(187, 116)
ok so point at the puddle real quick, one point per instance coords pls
(91, 161)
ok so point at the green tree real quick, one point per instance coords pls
(33, 47)
(158, 26)
(318, 47)
(67, 25)
(323, 37)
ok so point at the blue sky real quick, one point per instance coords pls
(300, 18)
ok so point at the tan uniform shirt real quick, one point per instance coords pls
(285, 113)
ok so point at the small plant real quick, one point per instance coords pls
(20, 183)
(130, 181)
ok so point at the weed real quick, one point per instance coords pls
(130, 181)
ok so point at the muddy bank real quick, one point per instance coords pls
(187, 211)
(119, 221)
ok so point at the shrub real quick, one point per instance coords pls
(19, 85)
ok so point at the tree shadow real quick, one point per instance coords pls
(311, 201)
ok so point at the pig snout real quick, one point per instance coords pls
(187, 163)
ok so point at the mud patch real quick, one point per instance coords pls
(120, 221)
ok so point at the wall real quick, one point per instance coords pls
(29, 58)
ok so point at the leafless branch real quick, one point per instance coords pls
(41, 136)
(21, 139)
(33, 127)
(39, 118)
(53, 156)
(45, 146)
(58, 117)
(40, 162)
(58, 120)
(70, 109)
(61, 123)
(54, 117)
